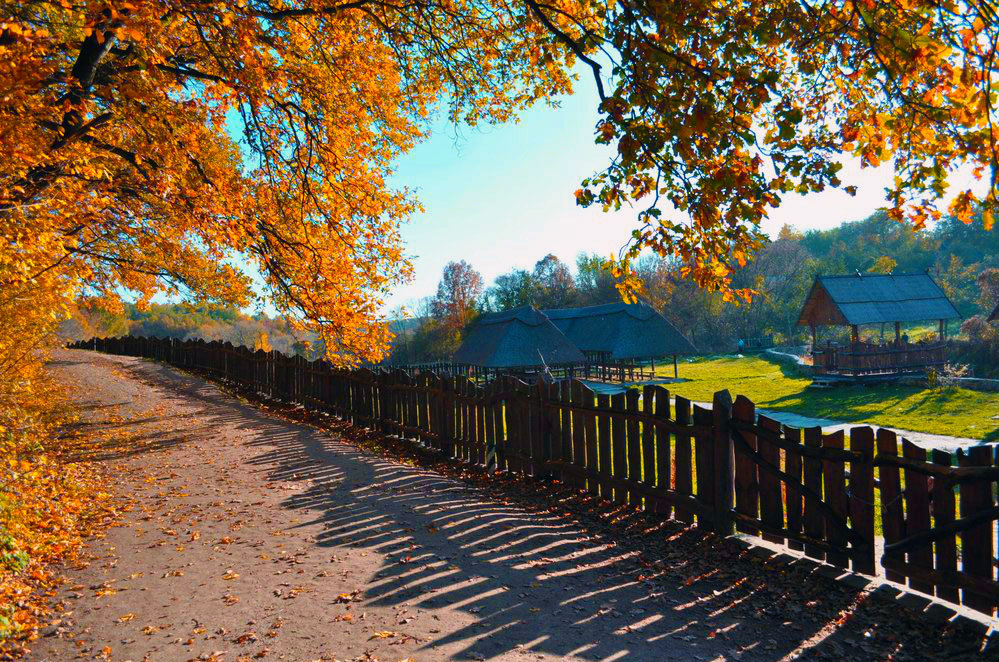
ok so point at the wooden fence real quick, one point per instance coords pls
(865, 500)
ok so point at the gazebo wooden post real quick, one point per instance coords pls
(676, 372)
(898, 332)
(943, 329)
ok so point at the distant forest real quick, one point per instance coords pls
(187, 322)
(964, 259)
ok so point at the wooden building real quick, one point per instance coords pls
(620, 338)
(521, 341)
(876, 299)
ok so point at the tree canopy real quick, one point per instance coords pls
(718, 110)
(185, 147)
(153, 147)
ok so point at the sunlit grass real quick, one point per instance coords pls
(771, 385)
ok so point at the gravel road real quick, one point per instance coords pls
(252, 536)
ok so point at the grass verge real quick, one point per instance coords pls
(772, 385)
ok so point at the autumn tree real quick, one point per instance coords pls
(556, 287)
(719, 111)
(183, 147)
(883, 265)
(457, 292)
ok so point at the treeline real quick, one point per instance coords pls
(964, 259)
(187, 321)
(960, 257)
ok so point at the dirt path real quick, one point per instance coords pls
(252, 537)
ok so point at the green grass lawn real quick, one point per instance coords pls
(771, 385)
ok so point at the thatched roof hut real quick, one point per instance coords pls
(517, 338)
(620, 331)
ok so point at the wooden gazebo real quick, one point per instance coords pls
(867, 299)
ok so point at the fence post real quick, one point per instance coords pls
(724, 462)
(539, 447)
(447, 417)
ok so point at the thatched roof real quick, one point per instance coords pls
(875, 298)
(624, 331)
(516, 338)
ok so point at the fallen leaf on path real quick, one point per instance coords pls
(384, 634)
(230, 574)
(126, 618)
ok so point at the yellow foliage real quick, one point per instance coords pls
(48, 503)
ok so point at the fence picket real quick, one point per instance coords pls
(683, 479)
(892, 521)
(835, 495)
(771, 498)
(917, 514)
(663, 449)
(813, 521)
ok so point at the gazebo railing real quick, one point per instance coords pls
(862, 358)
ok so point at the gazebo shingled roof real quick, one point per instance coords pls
(875, 298)
(623, 331)
(516, 338)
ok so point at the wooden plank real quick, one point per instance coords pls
(619, 457)
(578, 429)
(565, 397)
(792, 495)
(683, 480)
(554, 441)
(664, 448)
(648, 436)
(833, 473)
(522, 445)
(944, 507)
(771, 487)
(480, 425)
(604, 443)
(704, 463)
(747, 486)
(892, 522)
(976, 543)
(862, 498)
(917, 514)
(511, 423)
(531, 430)
(590, 431)
(633, 441)
(812, 519)
(723, 472)
(989, 590)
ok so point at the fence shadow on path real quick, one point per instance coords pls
(539, 581)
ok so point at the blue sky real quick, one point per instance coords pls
(501, 197)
